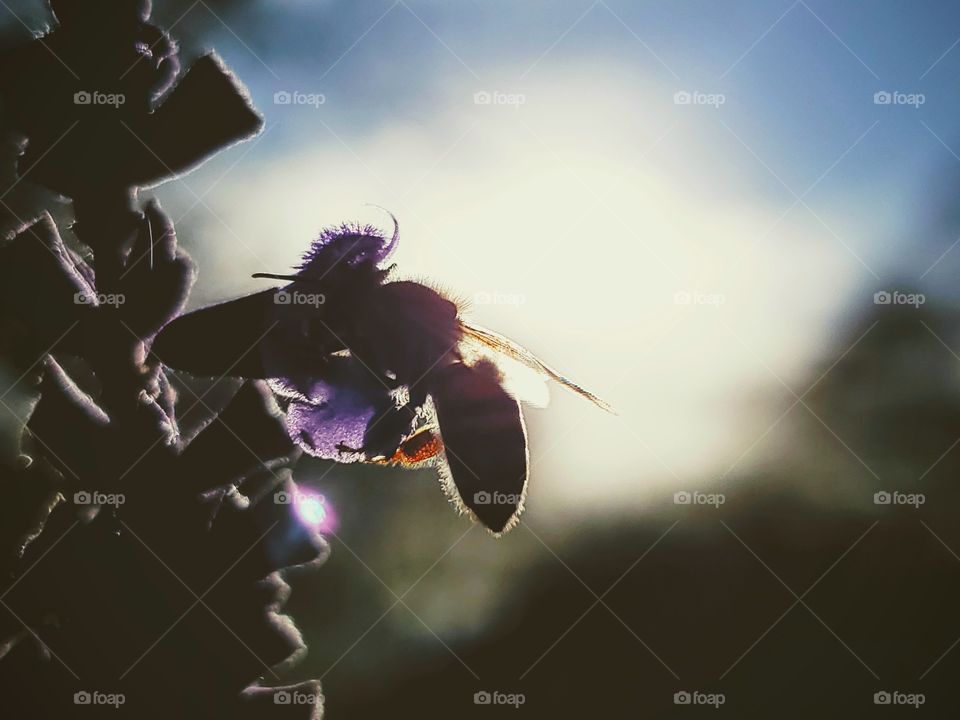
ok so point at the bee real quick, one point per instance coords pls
(371, 369)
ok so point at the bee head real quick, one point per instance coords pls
(347, 246)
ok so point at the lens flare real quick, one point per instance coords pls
(314, 511)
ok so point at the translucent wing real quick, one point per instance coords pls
(508, 348)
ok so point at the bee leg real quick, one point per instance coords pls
(385, 434)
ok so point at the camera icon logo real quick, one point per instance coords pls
(82, 98)
(282, 297)
(882, 98)
(282, 698)
(682, 97)
(482, 98)
(682, 498)
(482, 498)
(82, 498)
(882, 298)
(282, 497)
(282, 98)
(482, 698)
(682, 698)
(82, 698)
(882, 498)
(882, 698)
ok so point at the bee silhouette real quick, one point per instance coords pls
(373, 370)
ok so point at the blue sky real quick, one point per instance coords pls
(800, 69)
(799, 80)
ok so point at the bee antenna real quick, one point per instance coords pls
(271, 276)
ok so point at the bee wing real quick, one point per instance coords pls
(222, 339)
(527, 385)
(485, 443)
(506, 347)
(251, 337)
